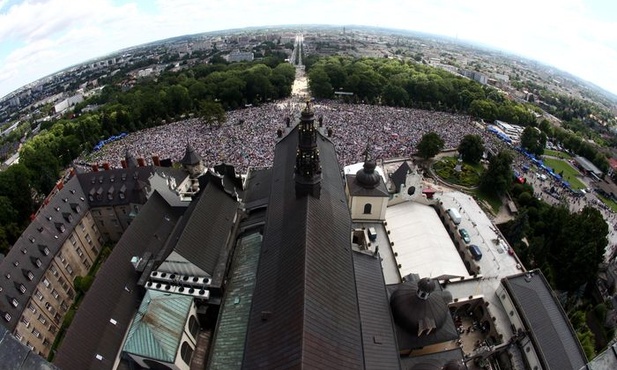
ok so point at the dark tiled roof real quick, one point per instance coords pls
(40, 241)
(207, 231)
(257, 193)
(378, 338)
(435, 360)
(16, 356)
(114, 293)
(400, 176)
(105, 187)
(305, 312)
(358, 190)
(545, 320)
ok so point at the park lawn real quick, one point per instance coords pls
(569, 173)
(492, 200)
(609, 202)
(556, 153)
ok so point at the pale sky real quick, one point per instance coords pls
(40, 37)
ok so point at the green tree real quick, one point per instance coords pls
(430, 145)
(471, 148)
(212, 112)
(43, 165)
(498, 176)
(533, 140)
(395, 95)
(319, 83)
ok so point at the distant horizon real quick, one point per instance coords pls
(42, 38)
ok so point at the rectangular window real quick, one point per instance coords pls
(82, 226)
(79, 252)
(46, 282)
(42, 319)
(89, 239)
(72, 239)
(38, 295)
(36, 333)
(69, 269)
(87, 264)
(18, 336)
(31, 307)
(55, 293)
(53, 270)
(25, 321)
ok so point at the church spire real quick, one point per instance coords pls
(308, 169)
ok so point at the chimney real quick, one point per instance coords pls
(123, 163)
(95, 168)
(141, 162)
(106, 166)
(156, 161)
(60, 185)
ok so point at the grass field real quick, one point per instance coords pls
(556, 153)
(609, 202)
(493, 201)
(569, 173)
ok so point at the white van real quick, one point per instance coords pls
(454, 216)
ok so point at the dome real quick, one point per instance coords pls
(426, 286)
(454, 365)
(367, 177)
(416, 310)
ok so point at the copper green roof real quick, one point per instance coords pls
(228, 346)
(158, 324)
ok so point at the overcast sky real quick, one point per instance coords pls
(40, 37)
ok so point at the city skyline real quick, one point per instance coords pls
(42, 37)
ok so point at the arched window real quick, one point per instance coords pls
(186, 352)
(193, 326)
(367, 208)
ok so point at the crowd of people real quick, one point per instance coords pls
(248, 137)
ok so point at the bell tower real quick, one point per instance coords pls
(307, 171)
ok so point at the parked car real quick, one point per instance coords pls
(464, 235)
(475, 251)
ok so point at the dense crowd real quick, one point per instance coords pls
(248, 137)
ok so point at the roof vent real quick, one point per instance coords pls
(99, 357)
(113, 321)
(72, 191)
(265, 315)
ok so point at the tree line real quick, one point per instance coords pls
(407, 84)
